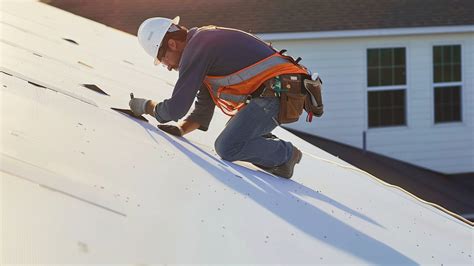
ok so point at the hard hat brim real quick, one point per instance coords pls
(176, 20)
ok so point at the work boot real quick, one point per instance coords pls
(285, 170)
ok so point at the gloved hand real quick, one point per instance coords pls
(173, 130)
(138, 106)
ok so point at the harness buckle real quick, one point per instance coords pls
(247, 100)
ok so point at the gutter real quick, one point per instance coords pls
(365, 33)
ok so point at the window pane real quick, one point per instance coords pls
(386, 57)
(456, 104)
(447, 63)
(399, 54)
(386, 115)
(456, 113)
(374, 118)
(386, 108)
(399, 99)
(438, 74)
(447, 96)
(438, 97)
(448, 112)
(457, 72)
(386, 67)
(386, 77)
(447, 74)
(399, 116)
(372, 57)
(386, 99)
(437, 59)
(456, 54)
(447, 54)
(447, 104)
(373, 103)
(456, 94)
(438, 114)
(373, 100)
(373, 77)
(400, 76)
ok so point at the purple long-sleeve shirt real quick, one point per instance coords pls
(209, 51)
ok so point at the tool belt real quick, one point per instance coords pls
(296, 92)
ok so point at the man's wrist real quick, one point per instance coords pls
(150, 107)
(181, 130)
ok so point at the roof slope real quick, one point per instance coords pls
(81, 183)
(453, 192)
(274, 16)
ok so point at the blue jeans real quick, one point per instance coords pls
(242, 140)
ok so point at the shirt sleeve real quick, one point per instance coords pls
(203, 109)
(194, 65)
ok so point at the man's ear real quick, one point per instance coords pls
(172, 44)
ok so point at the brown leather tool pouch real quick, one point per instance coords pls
(291, 99)
(314, 102)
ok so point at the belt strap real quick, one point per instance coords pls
(265, 90)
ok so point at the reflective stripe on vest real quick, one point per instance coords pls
(242, 76)
(233, 97)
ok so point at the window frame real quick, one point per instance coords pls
(387, 88)
(392, 66)
(460, 103)
(404, 110)
(447, 84)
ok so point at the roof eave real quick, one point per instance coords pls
(365, 33)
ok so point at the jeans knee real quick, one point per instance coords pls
(227, 150)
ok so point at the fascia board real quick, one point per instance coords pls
(365, 33)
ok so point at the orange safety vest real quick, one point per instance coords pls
(231, 92)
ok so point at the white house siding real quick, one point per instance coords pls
(446, 148)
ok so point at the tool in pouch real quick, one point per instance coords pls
(277, 87)
(313, 104)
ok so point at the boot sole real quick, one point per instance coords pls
(270, 170)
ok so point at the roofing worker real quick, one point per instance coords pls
(233, 70)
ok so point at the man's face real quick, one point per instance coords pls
(171, 56)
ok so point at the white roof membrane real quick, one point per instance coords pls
(81, 183)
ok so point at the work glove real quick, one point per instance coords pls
(173, 130)
(138, 106)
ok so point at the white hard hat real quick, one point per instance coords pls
(151, 33)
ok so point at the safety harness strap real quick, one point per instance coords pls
(244, 75)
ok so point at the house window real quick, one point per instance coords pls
(386, 81)
(386, 67)
(447, 83)
(447, 104)
(386, 108)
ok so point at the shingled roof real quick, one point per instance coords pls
(278, 16)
